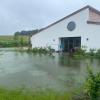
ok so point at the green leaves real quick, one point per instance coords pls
(92, 85)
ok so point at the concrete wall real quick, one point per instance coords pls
(50, 36)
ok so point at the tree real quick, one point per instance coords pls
(21, 41)
(16, 38)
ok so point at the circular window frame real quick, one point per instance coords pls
(71, 26)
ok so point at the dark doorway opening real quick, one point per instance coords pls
(69, 43)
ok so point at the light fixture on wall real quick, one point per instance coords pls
(87, 39)
(53, 40)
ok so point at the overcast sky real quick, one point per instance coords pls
(17, 15)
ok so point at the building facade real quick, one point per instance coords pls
(81, 28)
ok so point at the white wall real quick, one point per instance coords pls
(45, 38)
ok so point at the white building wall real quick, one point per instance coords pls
(50, 36)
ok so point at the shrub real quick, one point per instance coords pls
(92, 85)
(98, 53)
(41, 50)
(92, 52)
(80, 52)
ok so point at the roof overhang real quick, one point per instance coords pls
(92, 22)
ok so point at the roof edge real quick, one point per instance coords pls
(93, 22)
(77, 11)
(94, 10)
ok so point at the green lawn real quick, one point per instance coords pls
(10, 40)
(19, 95)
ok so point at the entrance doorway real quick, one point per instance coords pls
(69, 43)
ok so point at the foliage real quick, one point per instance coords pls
(21, 42)
(41, 50)
(13, 41)
(20, 95)
(16, 38)
(27, 33)
(80, 51)
(92, 85)
(92, 52)
(98, 53)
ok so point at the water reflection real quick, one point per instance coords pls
(57, 71)
(67, 61)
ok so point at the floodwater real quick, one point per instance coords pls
(55, 72)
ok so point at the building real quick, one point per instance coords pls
(81, 28)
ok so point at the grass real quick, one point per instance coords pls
(12, 41)
(20, 95)
(10, 38)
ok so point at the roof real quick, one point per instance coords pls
(89, 22)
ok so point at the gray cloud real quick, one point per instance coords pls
(17, 15)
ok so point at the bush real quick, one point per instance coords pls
(92, 85)
(79, 53)
(98, 53)
(41, 50)
(92, 52)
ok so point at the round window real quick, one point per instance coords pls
(71, 26)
